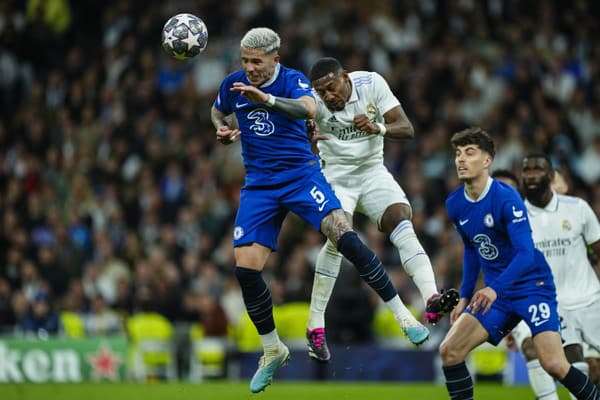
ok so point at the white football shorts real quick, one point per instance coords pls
(369, 191)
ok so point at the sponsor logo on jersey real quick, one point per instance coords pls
(519, 217)
(553, 247)
(486, 248)
(302, 84)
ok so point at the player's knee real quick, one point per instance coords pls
(449, 354)
(554, 365)
(393, 215)
(528, 350)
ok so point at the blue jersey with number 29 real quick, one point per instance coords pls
(497, 238)
(275, 146)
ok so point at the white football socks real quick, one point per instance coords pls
(399, 309)
(326, 272)
(270, 342)
(415, 261)
(541, 382)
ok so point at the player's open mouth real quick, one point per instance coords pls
(336, 105)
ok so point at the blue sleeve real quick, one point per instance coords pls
(514, 216)
(222, 102)
(300, 86)
(471, 269)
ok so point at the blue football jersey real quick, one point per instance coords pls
(497, 238)
(275, 147)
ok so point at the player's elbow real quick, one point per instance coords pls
(310, 107)
(409, 130)
(311, 110)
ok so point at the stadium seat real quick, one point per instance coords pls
(291, 320)
(488, 362)
(388, 332)
(72, 324)
(208, 358)
(245, 335)
(151, 354)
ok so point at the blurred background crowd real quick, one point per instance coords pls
(116, 198)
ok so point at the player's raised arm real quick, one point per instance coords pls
(225, 134)
(303, 107)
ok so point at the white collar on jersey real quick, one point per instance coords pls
(552, 205)
(486, 189)
(275, 75)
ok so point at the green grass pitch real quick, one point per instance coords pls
(229, 390)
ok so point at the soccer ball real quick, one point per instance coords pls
(184, 36)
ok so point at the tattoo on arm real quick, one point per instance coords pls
(334, 225)
(296, 108)
(217, 118)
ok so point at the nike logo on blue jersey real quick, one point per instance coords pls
(538, 323)
(462, 222)
(238, 105)
(322, 206)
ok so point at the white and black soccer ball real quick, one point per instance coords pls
(184, 36)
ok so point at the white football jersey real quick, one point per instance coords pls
(562, 230)
(348, 147)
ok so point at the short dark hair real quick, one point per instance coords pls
(504, 173)
(323, 67)
(474, 135)
(542, 156)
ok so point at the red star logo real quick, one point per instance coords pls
(105, 363)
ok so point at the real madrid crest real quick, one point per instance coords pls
(566, 225)
(371, 111)
(488, 220)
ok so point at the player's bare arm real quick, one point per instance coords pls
(396, 126)
(335, 224)
(303, 107)
(225, 134)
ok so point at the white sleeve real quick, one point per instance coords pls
(591, 227)
(384, 98)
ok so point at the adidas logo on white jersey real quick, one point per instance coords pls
(332, 119)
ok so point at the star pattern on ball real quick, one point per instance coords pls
(169, 38)
(188, 19)
(184, 36)
(192, 40)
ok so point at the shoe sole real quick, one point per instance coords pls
(448, 300)
(314, 357)
(426, 338)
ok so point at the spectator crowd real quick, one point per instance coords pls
(115, 196)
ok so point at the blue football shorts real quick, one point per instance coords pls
(539, 310)
(262, 210)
